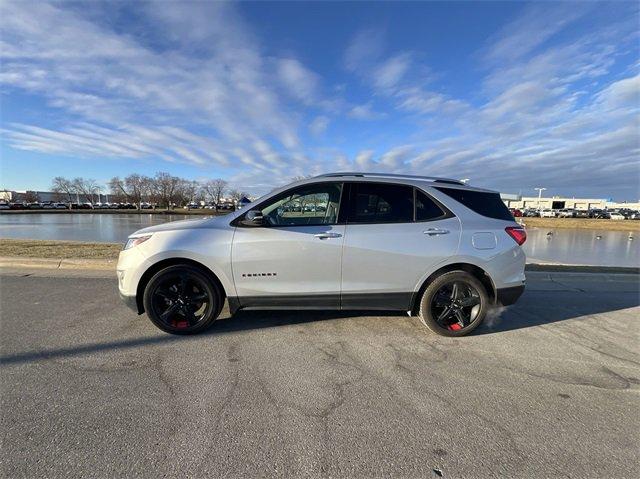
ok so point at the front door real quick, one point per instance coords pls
(295, 258)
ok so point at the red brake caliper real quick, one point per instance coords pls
(455, 327)
(179, 324)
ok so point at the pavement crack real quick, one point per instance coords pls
(568, 288)
(607, 379)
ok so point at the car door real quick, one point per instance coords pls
(294, 258)
(394, 235)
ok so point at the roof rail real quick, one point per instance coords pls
(436, 179)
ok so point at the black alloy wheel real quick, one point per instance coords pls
(454, 304)
(182, 299)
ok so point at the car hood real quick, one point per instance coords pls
(180, 225)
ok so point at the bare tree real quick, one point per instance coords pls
(165, 188)
(188, 190)
(117, 189)
(139, 186)
(134, 187)
(86, 187)
(64, 186)
(30, 196)
(214, 189)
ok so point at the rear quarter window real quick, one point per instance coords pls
(484, 203)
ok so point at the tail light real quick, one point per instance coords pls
(518, 233)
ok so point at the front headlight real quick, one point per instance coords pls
(131, 242)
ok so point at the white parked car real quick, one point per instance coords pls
(566, 213)
(547, 213)
(616, 216)
(433, 247)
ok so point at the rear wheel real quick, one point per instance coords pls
(454, 304)
(182, 299)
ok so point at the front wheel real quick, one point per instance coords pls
(182, 299)
(454, 304)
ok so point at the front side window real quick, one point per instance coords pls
(315, 204)
(380, 203)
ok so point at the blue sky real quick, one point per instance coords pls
(512, 95)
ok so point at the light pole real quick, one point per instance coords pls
(540, 190)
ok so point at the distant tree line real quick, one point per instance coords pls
(163, 190)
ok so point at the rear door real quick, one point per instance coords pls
(394, 235)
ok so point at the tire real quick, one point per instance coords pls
(472, 301)
(182, 299)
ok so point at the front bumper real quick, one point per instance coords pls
(508, 296)
(131, 302)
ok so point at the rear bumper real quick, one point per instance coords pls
(507, 296)
(131, 303)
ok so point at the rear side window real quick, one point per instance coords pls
(483, 203)
(380, 203)
(426, 208)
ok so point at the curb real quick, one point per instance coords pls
(54, 263)
(110, 265)
(579, 268)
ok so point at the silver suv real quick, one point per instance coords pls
(433, 247)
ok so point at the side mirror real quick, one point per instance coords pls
(253, 218)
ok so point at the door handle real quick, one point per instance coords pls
(435, 231)
(327, 235)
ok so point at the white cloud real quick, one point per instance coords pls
(364, 160)
(298, 80)
(391, 71)
(319, 125)
(364, 48)
(417, 100)
(120, 80)
(364, 112)
(622, 94)
(532, 28)
(394, 159)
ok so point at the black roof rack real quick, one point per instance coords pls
(391, 175)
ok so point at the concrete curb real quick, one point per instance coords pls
(579, 268)
(110, 264)
(55, 263)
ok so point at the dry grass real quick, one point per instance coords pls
(58, 249)
(581, 223)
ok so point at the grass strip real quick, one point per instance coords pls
(581, 223)
(58, 249)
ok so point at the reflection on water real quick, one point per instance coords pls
(106, 228)
(570, 246)
(581, 246)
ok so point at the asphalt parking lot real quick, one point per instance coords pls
(547, 388)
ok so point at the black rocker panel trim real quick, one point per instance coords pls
(377, 301)
(382, 301)
(291, 301)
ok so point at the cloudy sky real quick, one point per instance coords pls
(511, 95)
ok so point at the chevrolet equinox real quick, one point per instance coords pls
(434, 247)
